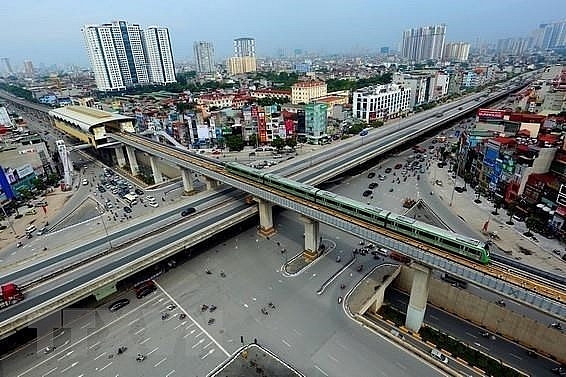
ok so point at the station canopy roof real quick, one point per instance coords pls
(87, 117)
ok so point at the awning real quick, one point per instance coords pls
(561, 211)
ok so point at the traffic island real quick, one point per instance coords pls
(254, 360)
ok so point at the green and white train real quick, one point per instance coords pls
(465, 246)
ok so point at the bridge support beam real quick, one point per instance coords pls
(157, 176)
(188, 183)
(312, 240)
(210, 183)
(419, 296)
(132, 159)
(266, 228)
(121, 159)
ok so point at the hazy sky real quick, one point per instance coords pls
(48, 31)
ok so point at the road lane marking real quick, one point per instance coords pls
(170, 373)
(58, 335)
(65, 355)
(133, 321)
(189, 326)
(206, 354)
(192, 319)
(69, 367)
(104, 367)
(286, 343)
(145, 340)
(152, 351)
(333, 358)
(199, 334)
(516, 357)
(297, 332)
(159, 362)
(320, 370)
(186, 335)
(94, 345)
(84, 326)
(471, 335)
(197, 343)
(401, 366)
(179, 325)
(207, 345)
(99, 356)
(48, 373)
(140, 330)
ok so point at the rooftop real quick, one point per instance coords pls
(86, 117)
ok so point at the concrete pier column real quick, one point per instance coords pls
(312, 240)
(188, 183)
(266, 218)
(120, 156)
(419, 294)
(157, 176)
(210, 183)
(133, 161)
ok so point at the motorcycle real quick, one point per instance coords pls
(264, 312)
(339, 299)
(48, 350)
(204, 308)
(171, 307)
(342, 286)
(164, 316)
(210, 321)
(19, 244)
(140, 357)
(338, 259)
(360, 268)
(212, 308)
(182, 316)
(501, 303)
(270, 304)
(121, 350)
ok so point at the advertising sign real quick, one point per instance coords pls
(491, 113)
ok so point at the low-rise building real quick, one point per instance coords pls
(306, 91)
(381, 102)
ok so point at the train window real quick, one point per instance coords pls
(451, 244)
(404, 227)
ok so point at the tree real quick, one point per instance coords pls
(253, 139)
(291, 143)
(278, 143)
(376, 123)
(234, 143)
(531, 223)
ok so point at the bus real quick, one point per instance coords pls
(130, 199)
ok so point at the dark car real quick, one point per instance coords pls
(367, 193)
(398, 166)
(127, 210)
(188, 211)
(373, 185)
(371, 175)
(145, 291)
(118, 304)
(138, 191)
(388, 170)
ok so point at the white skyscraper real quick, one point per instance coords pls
(423, 43)
(159, 55)
(118, 57)
(204, 56)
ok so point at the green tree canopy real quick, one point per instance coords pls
(278, 143)
(234, 143)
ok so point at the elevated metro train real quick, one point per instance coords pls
(434, 236)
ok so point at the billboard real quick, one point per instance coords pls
(491, 113)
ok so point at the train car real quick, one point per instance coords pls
(245, 171)
(351, 207)
(292, 187)
(446, 240)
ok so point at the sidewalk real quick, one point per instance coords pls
(512, 242)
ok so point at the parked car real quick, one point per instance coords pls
(138, 191)
(398, 166)
(153, 204)
(127, 210)
(117, 305)
(367, 193)
(388, 170)
(145, 291)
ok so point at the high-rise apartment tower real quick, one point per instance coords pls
(424, 43)
(204, 56)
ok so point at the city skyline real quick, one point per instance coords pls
(43, 32)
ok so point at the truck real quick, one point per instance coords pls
(11, 294)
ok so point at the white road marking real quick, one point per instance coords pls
(245, 305)
(170, 373)
(104, 367)
(48, 373)
(133, 321)
(189, 326)
(401, 366)
(207, 345)
(193, 331)
(145, 340)
(197, 343)
(94, 345)
(152, 351)
(297, 332)
(192, 319)
(333, 358)
(286, 343)
(179, 325)
(199, 334)
(472, 335)
(140, 330)
(186, 335)
(69, 367)
(320, 370)
(206, 354)
(65, 355)
(99, 356)
(85, 326)
(58, 335)
(254, 299)
(159, 362)
(516, 357)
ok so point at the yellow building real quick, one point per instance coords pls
(305, 91)
(239, 65)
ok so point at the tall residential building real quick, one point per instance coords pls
(423, 43)
(550, 35)
(244, 47)
(244, 59)
(122, 57)
(305, 91)
(381, 102)
(159, 55)
(456, 51)
(204, 56)
(6, 67)
(28, 68)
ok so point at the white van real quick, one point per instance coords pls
(439, 355)
(31, 211)
(30, 229)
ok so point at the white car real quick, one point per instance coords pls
(150, 198)
(85, 182)
(153, 204)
